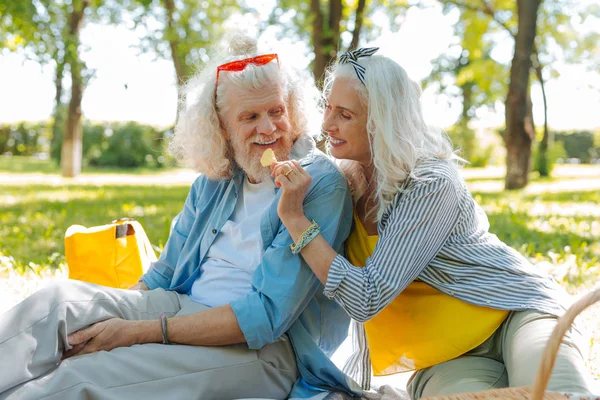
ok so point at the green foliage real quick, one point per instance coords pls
(34, 218)
(469, 147)
(127, 145)
(294, 18)
(182, 31)
(579, 145)
(24, 138)
(470, 65)
(130, 145)
(545, 165)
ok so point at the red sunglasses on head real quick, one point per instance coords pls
(240, 65)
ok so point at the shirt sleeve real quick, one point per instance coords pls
(160, 272)
(283, 283)
(414, 233)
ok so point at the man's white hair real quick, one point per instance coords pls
(398, 135)
(199, 141)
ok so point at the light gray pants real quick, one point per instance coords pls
(33, 338)
(509, 358)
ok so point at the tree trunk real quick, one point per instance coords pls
(519, 137)
(333, 29)
(57, 122)
(358, 23)
(319, 62)
(71, 155)
(543, 163)
(181, 69)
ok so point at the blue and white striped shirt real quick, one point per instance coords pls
(434, 231)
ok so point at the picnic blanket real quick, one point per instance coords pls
(385, 392)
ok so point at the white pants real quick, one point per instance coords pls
(33, 338)
(509, 358)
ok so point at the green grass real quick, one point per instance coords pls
(34, 218)
(558, 231)
(31, 165)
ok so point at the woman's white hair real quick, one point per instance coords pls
(398, 135)
(199, 141)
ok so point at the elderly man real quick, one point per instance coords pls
(243, 313)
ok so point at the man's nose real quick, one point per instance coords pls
(265, 126)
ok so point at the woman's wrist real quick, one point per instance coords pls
(296, 225)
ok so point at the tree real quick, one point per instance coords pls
(329, 26)
(468, 71)
(48, 31)
(38, 34)
(71, 155)
(519, 134)
(182, 31)
(557, 39)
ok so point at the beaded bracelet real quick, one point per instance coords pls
(163, 328)
(307, 236)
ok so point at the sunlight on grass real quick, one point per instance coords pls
(560, 232)
(33, 165)
(551, 229)
(33, 223)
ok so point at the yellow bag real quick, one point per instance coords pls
(114, 255)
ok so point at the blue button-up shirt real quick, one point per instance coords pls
(286, 296)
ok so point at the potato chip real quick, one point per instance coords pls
(268, 158)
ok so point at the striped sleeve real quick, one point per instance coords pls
(416, 230)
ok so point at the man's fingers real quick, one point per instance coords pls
(87, 349)
(73, 352)
(83, 335)
(79, 337)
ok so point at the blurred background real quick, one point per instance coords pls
(88, 99)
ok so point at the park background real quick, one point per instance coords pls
(88, 98)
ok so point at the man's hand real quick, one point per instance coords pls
(105, 335)
(139, 286)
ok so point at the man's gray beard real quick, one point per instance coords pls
(250, 163)
(253, 168)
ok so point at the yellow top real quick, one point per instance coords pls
(422, 326)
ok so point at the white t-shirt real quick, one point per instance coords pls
(226, 272)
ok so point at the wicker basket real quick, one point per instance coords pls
(538, 390)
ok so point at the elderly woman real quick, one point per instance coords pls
(436, 291)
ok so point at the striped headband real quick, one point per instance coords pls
(352, 58)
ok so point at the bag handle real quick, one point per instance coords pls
(140, 235)
(549, 357)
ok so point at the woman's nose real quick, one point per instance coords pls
(328, 125)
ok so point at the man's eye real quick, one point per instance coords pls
(278, 111)
(250, 117)
(345, 116)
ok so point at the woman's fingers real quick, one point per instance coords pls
(281, 181)
(298, 168)
(282, 168)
